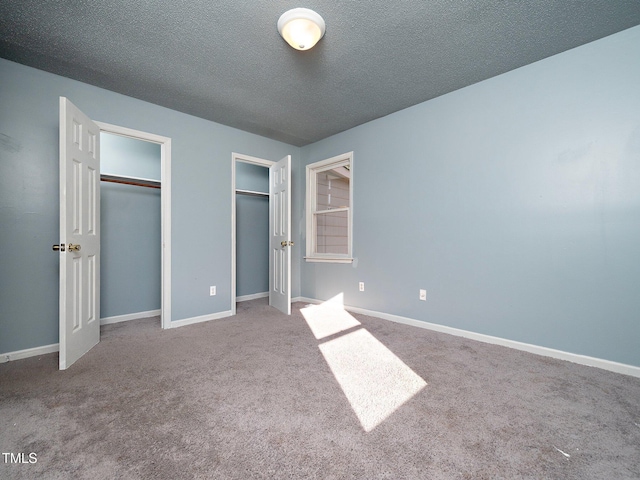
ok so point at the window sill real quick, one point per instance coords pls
(329, 259)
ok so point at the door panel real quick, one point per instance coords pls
(79, 233)
(280, 235)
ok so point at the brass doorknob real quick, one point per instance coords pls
(58, 248)
(74, 248)
(285, 243)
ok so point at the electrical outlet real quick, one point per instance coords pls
(212, 290)
(423, 295)
(361, 286)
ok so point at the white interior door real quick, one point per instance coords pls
(280, 235)
(79, 233)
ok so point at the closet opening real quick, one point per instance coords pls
(132, 197)
(250, 225)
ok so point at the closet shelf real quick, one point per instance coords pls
(140, 182)
(252, 193)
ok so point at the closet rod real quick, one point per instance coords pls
(252, 193)
(139, 182)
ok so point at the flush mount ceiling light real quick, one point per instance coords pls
(301, 28)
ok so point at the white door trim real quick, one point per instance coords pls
(165, 202)
(238, 157)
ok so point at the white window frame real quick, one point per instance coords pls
(312, 170)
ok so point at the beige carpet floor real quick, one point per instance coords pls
(320, 394)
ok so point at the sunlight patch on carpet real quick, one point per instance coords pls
(328, 318)
(374, 380)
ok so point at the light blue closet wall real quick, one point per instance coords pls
(201, 198)
(514, 202)
(129, 157)
(130, 241)
(252, 177)
(252, 230)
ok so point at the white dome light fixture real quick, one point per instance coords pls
(301, 28)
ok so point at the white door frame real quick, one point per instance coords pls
(165, 205)
(238, 157)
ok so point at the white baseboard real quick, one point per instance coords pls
(32, 352)
(526, 347)
(200, 319)
(253, 296)
(129, 316)
(307, 300)
(29, 352)
(544, 351)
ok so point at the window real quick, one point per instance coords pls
(329, 209)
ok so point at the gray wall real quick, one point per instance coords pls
(130, 241)
(252, 230)
(514, 202)
(201, 198)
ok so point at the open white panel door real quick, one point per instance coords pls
(79, 233)
(280, 235)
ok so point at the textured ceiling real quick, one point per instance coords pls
(224, 60)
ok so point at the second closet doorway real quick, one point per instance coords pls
(251, 207)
